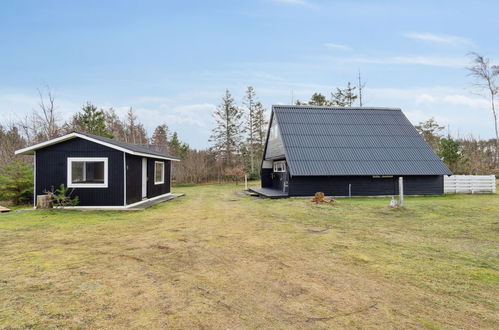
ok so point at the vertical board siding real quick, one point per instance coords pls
(278, 179)
(266, 177)
(469, 184)
(133, 179)
(154, 190)
(51, 171)
(364, 185)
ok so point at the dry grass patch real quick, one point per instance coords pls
(214, 259)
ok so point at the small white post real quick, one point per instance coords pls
(401, 191)
(349, 190)
(246, 182)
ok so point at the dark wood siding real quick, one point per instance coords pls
(364, 185)
(278, 180)
(133, 179)
(266, 176)
(51, 171)
(154, 190)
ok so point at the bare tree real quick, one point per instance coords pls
(360, 87)
(485, 75)
(47, 119)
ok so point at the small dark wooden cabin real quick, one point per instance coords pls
(346, 151)
(102, 172)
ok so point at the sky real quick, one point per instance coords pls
(171, 61)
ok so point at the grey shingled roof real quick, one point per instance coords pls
(353, 141)
(128, 146)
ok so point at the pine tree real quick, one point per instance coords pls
(249, 125)
(160, 138)
(430, 131)
(226, 135)
(344, 97)
(451, 153)
(350, 95)
(91, 120)
(16, 182)
(261, 124)
(177, 147)
(319, 100)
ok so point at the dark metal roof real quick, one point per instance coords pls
(353, 141)
(128, 146)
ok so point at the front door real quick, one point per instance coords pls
(144, 178)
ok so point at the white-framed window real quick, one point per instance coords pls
(159, 172)
(87, 172)
(280, 166)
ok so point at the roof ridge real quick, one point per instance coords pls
(332, 107)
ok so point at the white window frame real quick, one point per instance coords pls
(281, 164)
(162, 173)
(87, 185)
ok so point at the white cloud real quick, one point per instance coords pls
(452, 62)
(461, 111)
(439, 38)
(336, 46)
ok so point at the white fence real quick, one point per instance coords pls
(469, 184)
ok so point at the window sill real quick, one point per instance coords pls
(87, 186)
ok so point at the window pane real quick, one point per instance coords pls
(87, 172)
(158, 174)
(94, 172)
(77, 169)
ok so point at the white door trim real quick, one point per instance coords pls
(144, 178)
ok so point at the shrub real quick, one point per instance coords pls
(62, 196)
(16, 183)
(254, 176)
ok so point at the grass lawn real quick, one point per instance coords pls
(216, 259)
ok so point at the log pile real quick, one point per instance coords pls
(320, 198)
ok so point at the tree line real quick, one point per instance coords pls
(237, 139)
(467, 155)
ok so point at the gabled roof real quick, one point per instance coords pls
(129, 148)
(353, 141)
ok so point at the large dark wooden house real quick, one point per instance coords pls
(346, 151)
(102, 172)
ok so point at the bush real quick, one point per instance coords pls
(62, 197)
(254, 176)
(16, 183)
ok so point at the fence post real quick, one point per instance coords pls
(246, 181)
(401, 191)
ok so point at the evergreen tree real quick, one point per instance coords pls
(16, 183)
(91, 120)
(160, 138)
(430, 132)
(344, 97)
(226, 135)
(249, 125)
(450, 152)
(318, 99)
(261, 124)
(178, 148)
